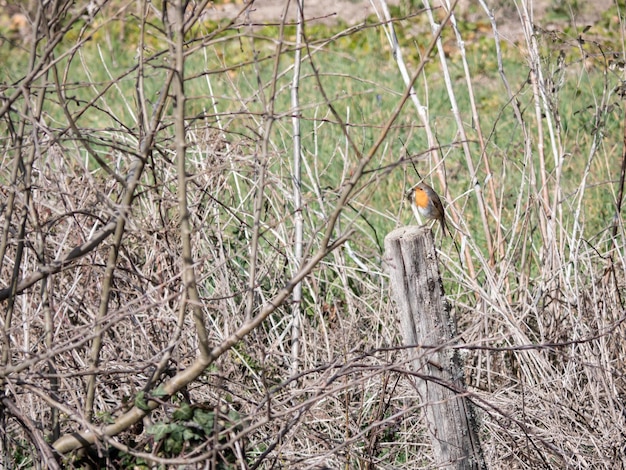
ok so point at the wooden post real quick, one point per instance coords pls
(425, 321)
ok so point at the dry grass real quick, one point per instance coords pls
(125, 303)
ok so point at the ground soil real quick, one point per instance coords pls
(326, 11)
(356, 11)
(351, 12)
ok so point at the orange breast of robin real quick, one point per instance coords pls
(421, 198)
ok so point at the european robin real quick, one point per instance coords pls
(427, 203)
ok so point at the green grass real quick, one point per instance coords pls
(363, 85)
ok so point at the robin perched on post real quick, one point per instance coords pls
(427, 202)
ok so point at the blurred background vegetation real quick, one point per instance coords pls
(530, 169)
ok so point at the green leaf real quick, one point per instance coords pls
(189, 435)
(140, 401)
(173, 446)
(159, 431)
(159, 392)
(183, 413)
(106, 418)
(205, 419)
